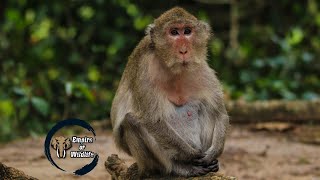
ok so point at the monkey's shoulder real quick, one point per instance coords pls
(142, 48)
(135, 61)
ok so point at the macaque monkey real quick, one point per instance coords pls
(168, 112)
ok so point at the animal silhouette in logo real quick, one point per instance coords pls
(61, 144)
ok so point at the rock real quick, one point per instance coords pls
(8, 173)
(119, 171)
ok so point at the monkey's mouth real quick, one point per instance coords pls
(181, 65)
(185, 63)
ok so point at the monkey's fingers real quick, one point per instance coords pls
(215, 161)
(199, 156)
(205, 161)
(200, 161)
(213, 167)
(199, 171)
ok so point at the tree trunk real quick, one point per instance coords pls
(275, 110)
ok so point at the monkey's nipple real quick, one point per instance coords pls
(189, 113)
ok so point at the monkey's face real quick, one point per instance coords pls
(179, 37)
(183, 46)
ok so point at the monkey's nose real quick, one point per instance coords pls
(183, 52)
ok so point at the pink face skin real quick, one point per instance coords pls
(180, 36)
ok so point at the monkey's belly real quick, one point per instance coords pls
(185, 120)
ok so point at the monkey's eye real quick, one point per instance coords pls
(187, 31)
(174, 32)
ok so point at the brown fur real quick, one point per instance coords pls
(166, 113)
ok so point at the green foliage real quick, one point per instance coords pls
(278, 54)
(63, 59)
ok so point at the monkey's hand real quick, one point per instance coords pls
(189, 169)
(206, 159)
(212, 165)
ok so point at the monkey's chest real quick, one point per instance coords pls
(185, 120)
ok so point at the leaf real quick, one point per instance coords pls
(318, 19)
(296, 36)
(29, 16)
(40, 105)
(23, 113)
(6, 108)
(309, 95)
(258, 63)
(68, 88)
(93, 74)
(307, 57)
(85, 91)
(19, 91)
(142, 22)
(22, 102)
(86, 12)
(13, 14)
(132, 10)
(41, 30)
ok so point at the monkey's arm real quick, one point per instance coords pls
(219, 134)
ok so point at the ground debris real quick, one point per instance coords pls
(307, 134)
(8, 173)
(119, 171)
(273, 126)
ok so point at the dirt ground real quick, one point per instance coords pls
(248, 155)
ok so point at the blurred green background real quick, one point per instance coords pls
(63, 59)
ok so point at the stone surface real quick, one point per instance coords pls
(119, 171)
(7, 173)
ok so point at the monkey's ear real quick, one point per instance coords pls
(149, 29)
(206, 26)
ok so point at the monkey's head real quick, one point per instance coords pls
(179, 40)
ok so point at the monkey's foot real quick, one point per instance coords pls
(213, 166)
(119, 171)
(115, 166)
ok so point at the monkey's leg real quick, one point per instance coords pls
(142, 146)
(187, 170)
(156, 150)
(162, 135)
(165, 135)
